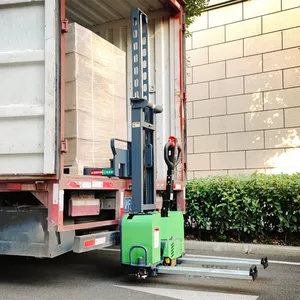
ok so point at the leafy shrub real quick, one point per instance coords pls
(247, 207)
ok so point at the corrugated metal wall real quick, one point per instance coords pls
(28, 88)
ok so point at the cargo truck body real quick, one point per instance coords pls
(45, 212)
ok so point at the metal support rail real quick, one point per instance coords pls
(204, 272)
(263, 263)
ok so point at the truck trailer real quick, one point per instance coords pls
(139, 202)
(44, 210)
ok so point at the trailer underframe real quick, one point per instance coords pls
(45, 228)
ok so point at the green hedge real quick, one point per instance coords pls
(244, 208)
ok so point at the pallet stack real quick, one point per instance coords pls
(95, 99)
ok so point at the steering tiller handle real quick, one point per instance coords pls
(172, 145)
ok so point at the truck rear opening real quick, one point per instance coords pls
(44, 211)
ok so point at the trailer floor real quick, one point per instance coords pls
(98, 275)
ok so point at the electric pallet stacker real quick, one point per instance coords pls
(152, 241)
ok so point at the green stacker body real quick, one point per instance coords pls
(161, 237)
(141, 230)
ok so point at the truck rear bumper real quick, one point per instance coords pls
(95, 241)
(24, 232)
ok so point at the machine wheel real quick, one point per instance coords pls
(167, 261)
(140, 273)
(170, 262)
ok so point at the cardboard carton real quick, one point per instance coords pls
(95, 98)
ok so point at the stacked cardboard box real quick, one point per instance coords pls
(95, 98)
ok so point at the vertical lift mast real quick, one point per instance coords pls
(152, 241)
(143, 119)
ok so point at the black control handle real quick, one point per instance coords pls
(169, 145)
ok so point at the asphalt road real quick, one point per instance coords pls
(98, 275)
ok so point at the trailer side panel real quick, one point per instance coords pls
(28, 87)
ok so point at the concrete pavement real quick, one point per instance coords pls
(98, 275)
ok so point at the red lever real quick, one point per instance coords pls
(173, 140)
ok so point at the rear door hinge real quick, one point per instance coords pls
(64, 146)
(183, 23)
(185, 166)
(64, 25)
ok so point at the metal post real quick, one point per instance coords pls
(143, 119)
(142, 152)
(137, 160)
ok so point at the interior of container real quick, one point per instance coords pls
(29, 56)
(111, 20)
(95, 14)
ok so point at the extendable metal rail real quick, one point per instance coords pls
(205, 272)
(263, 263)
(249, 267)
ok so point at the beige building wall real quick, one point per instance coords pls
(243, 89)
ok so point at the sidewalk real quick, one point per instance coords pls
(287, 251)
